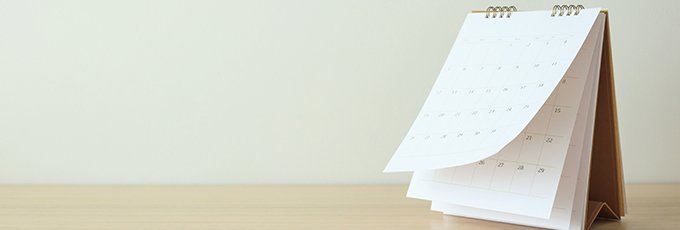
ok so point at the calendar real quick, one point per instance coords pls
(508, 130)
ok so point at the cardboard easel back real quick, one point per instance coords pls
(606, 197)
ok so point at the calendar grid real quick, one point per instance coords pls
(536, 165)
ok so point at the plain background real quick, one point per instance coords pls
(296, 91)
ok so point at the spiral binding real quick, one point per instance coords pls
(500, 11)
(506, 11)
(566, 10)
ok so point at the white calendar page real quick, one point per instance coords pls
(523, 177)
(498, 75)
(568, 211)
(570, 202)
(569, 206)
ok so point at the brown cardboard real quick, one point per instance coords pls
(606, 197)
(598, 209)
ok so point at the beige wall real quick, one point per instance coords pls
(271, 91)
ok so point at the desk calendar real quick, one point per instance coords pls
(520, 126)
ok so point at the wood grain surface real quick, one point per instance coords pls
(651, 206)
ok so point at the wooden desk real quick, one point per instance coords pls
(273, 207)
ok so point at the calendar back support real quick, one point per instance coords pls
(606, 196)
